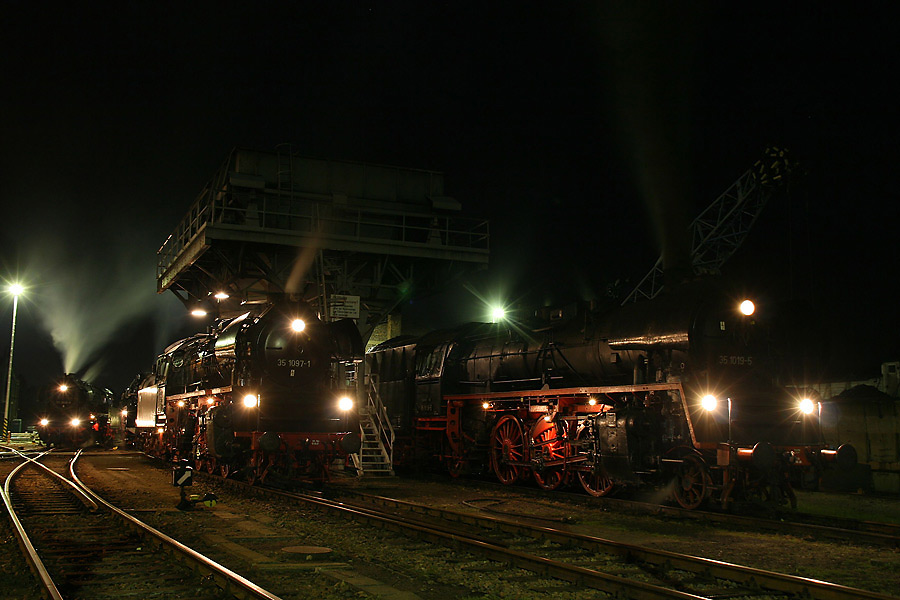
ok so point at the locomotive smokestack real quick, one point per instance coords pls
(650, 50)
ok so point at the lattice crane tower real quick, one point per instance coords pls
(722, 227)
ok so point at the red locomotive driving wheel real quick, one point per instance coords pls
(551, 448)
(507, 447)
(691, 483)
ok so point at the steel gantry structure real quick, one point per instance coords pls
(352, 239)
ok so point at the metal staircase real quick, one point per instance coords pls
(377, 434)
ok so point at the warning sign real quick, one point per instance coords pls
(344, 307)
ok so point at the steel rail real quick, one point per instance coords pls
(866, 533)
(224, 577)
(618, 586)
(79, 493)
(31, 555)
(779, 582)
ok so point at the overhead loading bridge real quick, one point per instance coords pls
(327, 230)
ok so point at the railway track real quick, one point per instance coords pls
(80, 546)
(623, 570)
(807, 526)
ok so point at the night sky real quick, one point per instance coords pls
(582, 130)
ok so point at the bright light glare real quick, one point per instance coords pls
(125, 412)
(497, 314)
(709, 402)
(180, 403)
(747, 308)
(198, 312)
(592, 401)
(298, 325)
(210, 400)
(16, 289)
(807, 406)
(221, 296)
(250, 401)
(63, 388)
(345, 403)
(75, 422)
(485, 405)
(45, 422)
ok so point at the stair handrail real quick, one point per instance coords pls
(380, 417)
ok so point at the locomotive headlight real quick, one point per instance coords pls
(709, 402)
(63, 388)
(486, 405)
(807, 406)
(125, 413)
(345, 403)
(298, 325)
(251, 401)
(747, 308)
(180, 403)
(45, 422)
(592, 401)
(75, 422)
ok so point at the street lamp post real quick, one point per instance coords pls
(15, 289)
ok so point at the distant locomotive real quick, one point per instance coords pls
(269, 394)
(667, 392)
(75, 414)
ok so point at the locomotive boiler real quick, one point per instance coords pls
(268, 394)
(74, 414)
(669, 392)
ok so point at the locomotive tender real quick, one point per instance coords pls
(668, 392)
(268, 394)
(75, 414)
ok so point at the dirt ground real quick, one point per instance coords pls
(133, 482)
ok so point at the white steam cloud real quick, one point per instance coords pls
(87, 296)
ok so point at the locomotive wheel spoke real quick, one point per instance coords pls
(596, 484)
(691, 483)
(597, 481)
(553, 449)
(507, 446)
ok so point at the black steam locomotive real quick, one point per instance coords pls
(74, 414)
(268, 394)
(668, 392)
